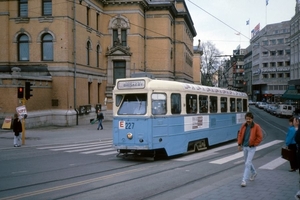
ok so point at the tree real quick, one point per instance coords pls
(210, 64)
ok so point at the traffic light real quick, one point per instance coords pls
(28, 90)
(20, 92)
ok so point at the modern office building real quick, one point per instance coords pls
(293, 92)
(72, 52)
(270, 59)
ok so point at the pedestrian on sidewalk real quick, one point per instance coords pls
(297, 140)
(17, 129)
(249, 136)
(100, 118)
(291, 143)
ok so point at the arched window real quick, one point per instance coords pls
(119, 26)
(98, 56)
(23, 48)
(88, 47)
(47, 47)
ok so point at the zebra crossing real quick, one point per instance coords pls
(237, 157)
(104, 148)
(101, 148)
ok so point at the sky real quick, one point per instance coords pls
(221, 21)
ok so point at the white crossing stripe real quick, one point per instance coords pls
(273, 164)
(240, 154)
(97, 151)
(108, 153)
(91, 148)
(102, 147)
(73, 145)
(203, 154)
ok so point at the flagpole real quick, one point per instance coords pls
(249, 29)
(267, 3)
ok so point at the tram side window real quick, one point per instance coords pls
(191, 103)
(203, 104)
(159, 105)
(223, 104)
(175, 103)
(133, 104)
(245, 105)
(239, 105)
(213, 104)
(232, 104)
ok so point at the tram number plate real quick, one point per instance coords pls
(126, 125)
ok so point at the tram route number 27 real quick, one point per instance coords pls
(126, 125)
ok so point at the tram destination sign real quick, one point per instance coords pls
(135, 84)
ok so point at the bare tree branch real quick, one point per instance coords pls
(210, 63)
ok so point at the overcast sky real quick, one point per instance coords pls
(207, 15)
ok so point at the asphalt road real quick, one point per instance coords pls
(54, 168)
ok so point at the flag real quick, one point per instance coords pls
(267, 2)
(248, 22)
(255, 30)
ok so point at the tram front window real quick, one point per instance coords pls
(133, 104)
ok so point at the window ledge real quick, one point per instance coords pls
(22, 20)
(89, 29)
(45, 19)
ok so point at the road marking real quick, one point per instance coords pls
(273, 164)
(108, 153)
(91, 148)
(85, 148)
(204, 154)
(241, 154)
(74, 145)
(97, 151)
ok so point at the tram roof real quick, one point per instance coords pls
(156, 84)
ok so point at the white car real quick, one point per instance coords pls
(261, 105)
(284, 110)
(250, 102)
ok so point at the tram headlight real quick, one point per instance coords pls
(129, 136)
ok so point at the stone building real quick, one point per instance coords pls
(72, 52)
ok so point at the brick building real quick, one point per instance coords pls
(73, 51)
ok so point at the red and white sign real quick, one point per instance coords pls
(21, 110)
(121, 124)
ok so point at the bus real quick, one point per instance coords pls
(153, 117)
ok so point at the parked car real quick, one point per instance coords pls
(267, 107)
(257, 103)
(272, 110)
(250, 102)
(284, 110)
(261, 105)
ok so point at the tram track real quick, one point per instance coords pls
(68, 178)
(132, 174)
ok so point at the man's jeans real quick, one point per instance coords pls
(100, 124)
(248, 156)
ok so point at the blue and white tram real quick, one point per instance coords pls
(158, 116)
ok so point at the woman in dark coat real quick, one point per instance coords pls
(17, 128)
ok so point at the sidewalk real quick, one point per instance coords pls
(278, 184)
(268, 185)
(58, 135)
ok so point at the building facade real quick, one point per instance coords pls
(270, 59)
(293, 92)
(72, 52)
